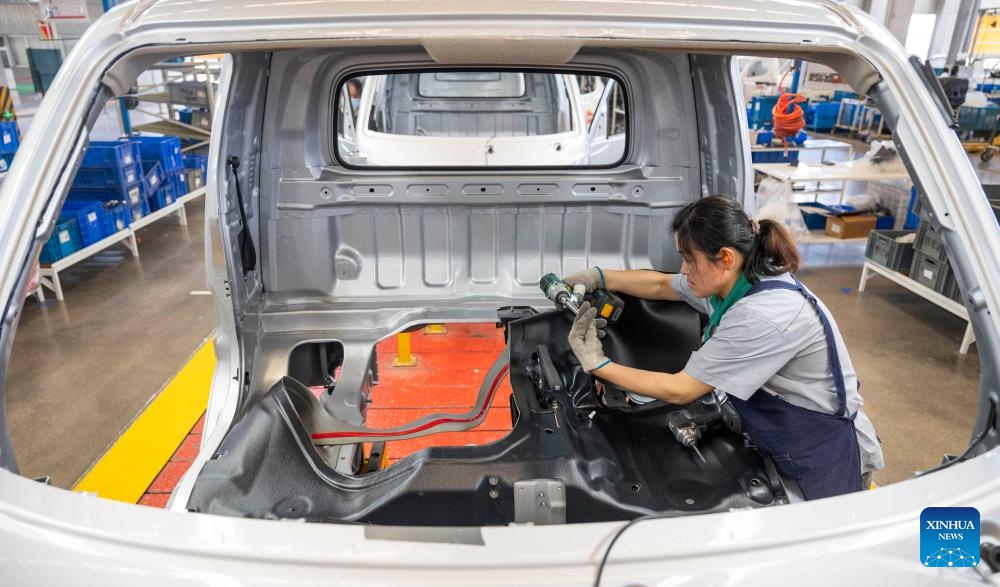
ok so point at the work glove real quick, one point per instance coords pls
(591, 278)
(584, 341)
(601, 323)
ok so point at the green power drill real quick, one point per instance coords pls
(609, 306)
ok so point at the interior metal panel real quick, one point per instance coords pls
(483, 246)
(387, 228)
(437, 232)
(416, 251)
(529, 239)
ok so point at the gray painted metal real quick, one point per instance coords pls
(55, 535)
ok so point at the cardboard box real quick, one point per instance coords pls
(850, 225)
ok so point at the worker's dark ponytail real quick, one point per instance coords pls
(715, 222)
(775, 252)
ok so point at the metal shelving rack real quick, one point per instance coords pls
(859, 119)
(200, 70)
(871, 269)
(48, 275)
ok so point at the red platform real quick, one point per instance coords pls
(450, 368)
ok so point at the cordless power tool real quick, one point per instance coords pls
(609, 306)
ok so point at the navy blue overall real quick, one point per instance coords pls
(818, 450)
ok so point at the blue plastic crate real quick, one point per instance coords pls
(5, 161)
(977, 119)
(760, 110)
(179, 181)
(822, 122)
(132, 195)
(774, 157)
(199, 162)
(65, 241)
(9, 139)
(844, 94)
(817, 220)
(822, 115)
(111, 154)
(90, 218)
(885, 222)
(165, 150)
(154, 177)
(184, 115)
(139, 210)
(163, 197)
(119, 215)
(118, 179)
(825, 108)
(766, 137)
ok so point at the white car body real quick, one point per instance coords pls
(53, 536)
(373, 148)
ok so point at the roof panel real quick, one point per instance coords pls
(775, 13)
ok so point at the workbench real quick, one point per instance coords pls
(837, 174)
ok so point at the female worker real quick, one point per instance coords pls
(770, 346)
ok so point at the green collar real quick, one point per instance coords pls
(719, 306)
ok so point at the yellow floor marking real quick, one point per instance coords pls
(134, 460)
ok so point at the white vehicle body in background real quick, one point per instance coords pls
(53, 536)
(375, 148)
(607, 125)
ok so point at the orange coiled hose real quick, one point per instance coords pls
(788, 124)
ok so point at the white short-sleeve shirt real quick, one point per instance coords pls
(774, 341)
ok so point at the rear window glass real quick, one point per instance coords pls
(476, 119)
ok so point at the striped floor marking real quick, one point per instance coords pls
(6, 103)
(125, 471)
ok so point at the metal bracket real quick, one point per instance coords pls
(540, 502)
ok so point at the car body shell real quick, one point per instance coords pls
(385, 149)
(51, 535)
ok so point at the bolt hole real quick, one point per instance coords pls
(689, 501)
(427, 190)
(482, 189)
(593, 189)
(371, 190)
(549, 431)
(635, 488)
(755, 482)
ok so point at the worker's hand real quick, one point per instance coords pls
(601, 324)
(584, 341)
(591, 278)
(580, 291)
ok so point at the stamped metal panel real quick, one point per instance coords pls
(414, 252)
(406, 234)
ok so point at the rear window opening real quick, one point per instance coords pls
(476, 119)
